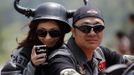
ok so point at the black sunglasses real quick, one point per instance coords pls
(52, 33)
(86, 28)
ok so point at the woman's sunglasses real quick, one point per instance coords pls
(86, 28)
(52, 33)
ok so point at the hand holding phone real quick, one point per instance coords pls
(39, 55)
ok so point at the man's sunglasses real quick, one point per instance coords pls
(86, 28)
(52, 33)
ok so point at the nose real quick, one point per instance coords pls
(92, 32)
(48, 36)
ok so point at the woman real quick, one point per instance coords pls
(48, 27)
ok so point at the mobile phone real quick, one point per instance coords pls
(40, 49)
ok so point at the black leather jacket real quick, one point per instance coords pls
(20, 64)
(72, 57)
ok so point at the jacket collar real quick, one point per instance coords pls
(97, 54)
(76, 51)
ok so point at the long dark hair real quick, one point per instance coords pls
(32, 38)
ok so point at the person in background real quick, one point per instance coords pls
(123, 43)
(83, 54)
(131, 32)
(48, 27)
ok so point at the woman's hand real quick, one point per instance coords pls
(37, 59)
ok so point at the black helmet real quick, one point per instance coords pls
(47, 10)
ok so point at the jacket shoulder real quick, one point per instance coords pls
(18, 60)
(17, 63)
(62, 51)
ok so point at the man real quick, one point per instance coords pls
(83, 54)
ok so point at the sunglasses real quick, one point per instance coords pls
(86, 28)
(52, 33)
